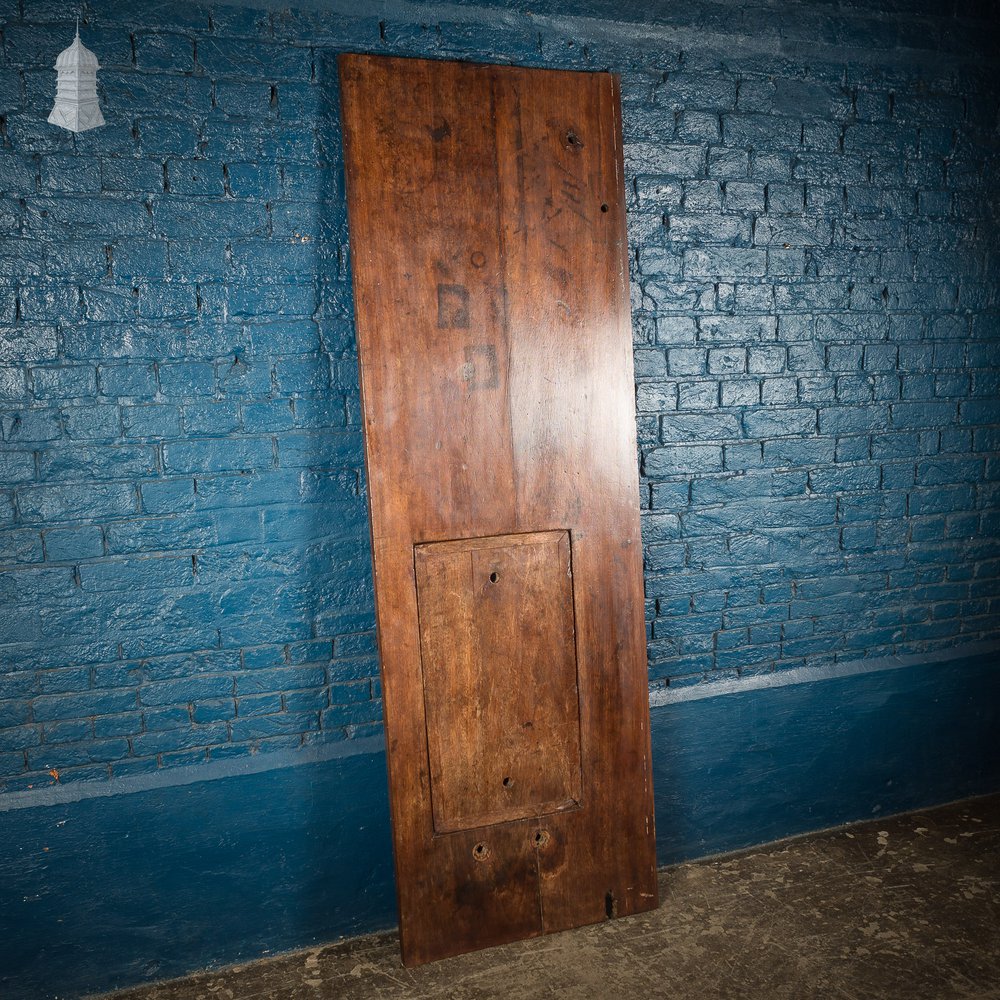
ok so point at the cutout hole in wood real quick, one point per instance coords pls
(494, 577)
(542, 838)
(508, 781)
(481, 852)
(604, 206)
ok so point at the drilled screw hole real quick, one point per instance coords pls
(508, 781)
(494, 577)
(480, 852)
(604, 206)
(541, 838)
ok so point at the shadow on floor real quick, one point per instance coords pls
(897, 908)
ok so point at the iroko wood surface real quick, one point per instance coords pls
(489, 260)
(500, 691)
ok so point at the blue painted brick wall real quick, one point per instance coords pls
(184, 559)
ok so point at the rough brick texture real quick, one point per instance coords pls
(813, 210)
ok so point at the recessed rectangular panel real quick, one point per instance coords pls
(487, 222)
(499, 669)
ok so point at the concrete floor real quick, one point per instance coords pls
(905, 908)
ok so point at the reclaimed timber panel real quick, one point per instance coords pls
(486, 211)
(500, 690)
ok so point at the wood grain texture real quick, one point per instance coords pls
(489, 260)
(500, 689)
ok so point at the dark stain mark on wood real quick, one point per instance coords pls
(480, 370)
(452, 307)
(439, 132)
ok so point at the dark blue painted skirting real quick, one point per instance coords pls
(111, 891)
(749, 767)
(153, 881)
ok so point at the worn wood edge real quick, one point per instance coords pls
(345, 62)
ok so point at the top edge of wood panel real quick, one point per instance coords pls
(346, 60)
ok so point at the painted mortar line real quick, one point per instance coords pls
(52, 795)
(659, 698)
(808, 675)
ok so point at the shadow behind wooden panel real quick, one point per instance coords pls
(488, 250)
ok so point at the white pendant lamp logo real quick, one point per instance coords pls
(76, 106)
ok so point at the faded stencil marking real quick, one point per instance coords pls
(480, 369)
(453, 307)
